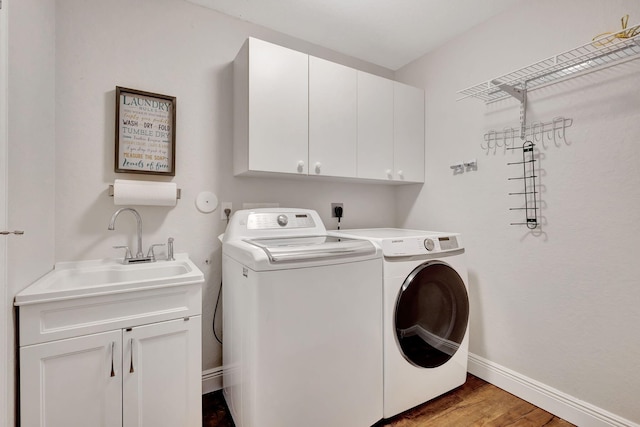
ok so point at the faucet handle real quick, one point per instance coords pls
(152, 254)
(170, 249)
(127, 254)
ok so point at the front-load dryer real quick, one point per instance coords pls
(425, 314)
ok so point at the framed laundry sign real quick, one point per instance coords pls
(145, 132)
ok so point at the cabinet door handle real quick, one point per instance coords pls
(16, 232)
(113, 372)
(131, 370)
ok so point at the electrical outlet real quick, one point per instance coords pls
(224, 207)
(333, 209)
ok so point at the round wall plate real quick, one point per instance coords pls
(206, 202)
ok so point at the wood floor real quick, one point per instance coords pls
(476, 403)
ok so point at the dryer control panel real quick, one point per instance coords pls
(408, 246)
(398, 242)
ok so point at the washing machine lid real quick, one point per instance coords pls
(310, 248)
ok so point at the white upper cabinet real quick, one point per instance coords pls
(375, 127)
(332, 118)
(271, 109)
(408, 133)
(298, 114)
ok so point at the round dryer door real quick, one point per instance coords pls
(431, 315)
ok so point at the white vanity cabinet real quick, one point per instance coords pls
(333, 95)
(143, 376)
(125, 354)
(271, 109)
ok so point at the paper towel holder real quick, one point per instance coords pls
(178, 191)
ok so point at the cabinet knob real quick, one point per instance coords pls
(389, 174)
(301, 166)
(318, 167)
(401, 174)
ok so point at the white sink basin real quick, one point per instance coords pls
(101, 277)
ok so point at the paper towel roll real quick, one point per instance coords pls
(127, 192)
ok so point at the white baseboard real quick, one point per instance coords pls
(212, 380)
(548, 398)
(551, 400)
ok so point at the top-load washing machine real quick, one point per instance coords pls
(426, 314)
(302, 323)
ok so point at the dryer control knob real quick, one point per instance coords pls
(429, 244)
(282, 220)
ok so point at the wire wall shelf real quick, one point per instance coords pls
(603, 51)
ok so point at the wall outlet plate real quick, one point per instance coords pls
(333, 209)
(223, 207)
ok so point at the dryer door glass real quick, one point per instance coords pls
(431, 314)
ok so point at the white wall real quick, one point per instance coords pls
(31, 150)
(558, 305)
(176, 48)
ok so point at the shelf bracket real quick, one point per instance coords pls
(520, 95)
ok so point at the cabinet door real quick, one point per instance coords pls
(278, 108)
(375, 127)
(72, 382)
(162, 374)
(332, 118)
(408, 141)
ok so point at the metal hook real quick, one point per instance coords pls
(491, 134)
(505, 144)
(560, 130)
(512, 133)
(549, 133)
(486, 138)
(542, 133)
(534, 131)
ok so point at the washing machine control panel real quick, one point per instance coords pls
(408, 246)
(268, 220)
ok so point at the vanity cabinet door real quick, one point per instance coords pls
(408, 129)
(162, 374)
(332, 119)
(72, 382)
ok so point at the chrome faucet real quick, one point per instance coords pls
(139, 254)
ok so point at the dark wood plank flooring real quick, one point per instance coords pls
(476, 403)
